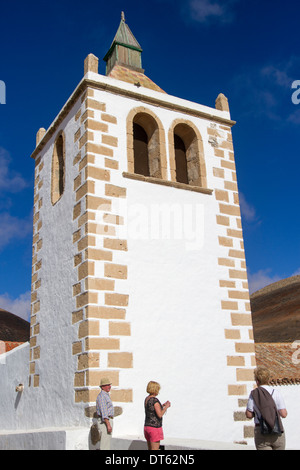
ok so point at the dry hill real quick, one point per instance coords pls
(276, 312)
(13, 328)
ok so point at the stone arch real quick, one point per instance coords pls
(58, 168)
(143, 118)
(185, 136)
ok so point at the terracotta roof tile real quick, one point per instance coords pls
(9, 345)
(282, 361)
(132, 76)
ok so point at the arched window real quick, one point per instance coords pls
(187, 155)
(180, 160)
(58, 169)
(140, 149)
(146, 146)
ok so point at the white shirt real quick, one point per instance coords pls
(277, 397)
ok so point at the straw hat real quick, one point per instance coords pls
(104, 381)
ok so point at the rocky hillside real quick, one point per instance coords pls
(13, 328)
(276, 312)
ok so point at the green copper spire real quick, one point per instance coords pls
(124, 50)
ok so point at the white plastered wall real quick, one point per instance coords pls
(174, 297)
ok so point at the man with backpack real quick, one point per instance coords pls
(267, 407)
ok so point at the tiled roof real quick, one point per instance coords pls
(282, 360)
(132, 76)
(9, 345)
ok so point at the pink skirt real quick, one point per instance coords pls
(153, 434)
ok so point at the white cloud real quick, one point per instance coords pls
(257, 94)
(260, 279)
(296, 273)
(9, 181)
(294, 117)
(263, 278)
(13, 228)
(248, 211)
(266, 91)
(204, 11)
(19, 306)
(278, 75)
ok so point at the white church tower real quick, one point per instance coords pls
(139, 268)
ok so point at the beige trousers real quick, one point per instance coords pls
(268, 441)
(105, 439)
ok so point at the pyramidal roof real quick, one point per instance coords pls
(124, 61)
(125, 40)
(124, 36)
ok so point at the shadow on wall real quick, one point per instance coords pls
(95, 437)
(138, 445)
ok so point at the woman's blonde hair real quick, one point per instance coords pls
(262, 375)
(153, 388)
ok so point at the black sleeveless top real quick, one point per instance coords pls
(151, 418)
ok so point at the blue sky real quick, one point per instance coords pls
(193, 49)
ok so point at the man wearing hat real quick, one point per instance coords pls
(105, 412)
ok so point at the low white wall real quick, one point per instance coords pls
(34, 408)
(46, 439)
(14, 369)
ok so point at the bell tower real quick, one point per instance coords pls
(139, 269)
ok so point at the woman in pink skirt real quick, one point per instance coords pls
(154, 412)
